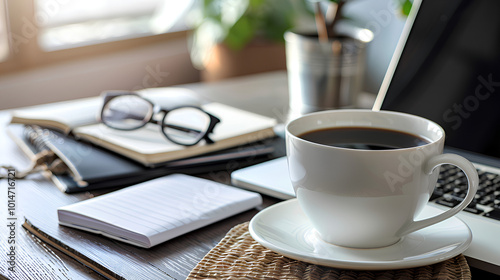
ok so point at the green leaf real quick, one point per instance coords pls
(240, 34)
(256, 3)
(407, 7)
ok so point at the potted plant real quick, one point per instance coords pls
(238, 37)
(232, 38)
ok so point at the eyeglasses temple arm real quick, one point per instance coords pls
(173, 126)
(128, 115)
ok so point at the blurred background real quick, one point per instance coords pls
(54, 50)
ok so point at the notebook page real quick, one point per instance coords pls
(159, 209)
(149, 140)
(63, 115)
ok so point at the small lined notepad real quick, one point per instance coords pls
(155, 211)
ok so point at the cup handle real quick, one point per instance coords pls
(472, 181)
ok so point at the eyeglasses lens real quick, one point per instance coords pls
(127, 112)
(186, 125)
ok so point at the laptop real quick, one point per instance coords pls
(446, 67)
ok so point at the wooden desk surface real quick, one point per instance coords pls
(266, 94)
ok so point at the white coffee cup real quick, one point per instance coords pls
(369, 198)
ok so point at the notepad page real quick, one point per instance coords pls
(158, 210)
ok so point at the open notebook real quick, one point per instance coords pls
(155, 211)
(148, 145)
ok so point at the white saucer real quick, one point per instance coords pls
(285, 229)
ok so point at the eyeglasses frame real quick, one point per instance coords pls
(156, 109)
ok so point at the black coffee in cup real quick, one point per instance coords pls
(364, 138)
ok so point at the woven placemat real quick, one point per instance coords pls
(238, 256)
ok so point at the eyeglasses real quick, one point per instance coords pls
(185, 125)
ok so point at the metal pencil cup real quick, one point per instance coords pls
(323, 75)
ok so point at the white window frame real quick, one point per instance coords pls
(26, 53)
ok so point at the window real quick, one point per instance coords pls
(46, 31)
(69, 23)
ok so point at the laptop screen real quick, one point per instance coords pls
(447, 69)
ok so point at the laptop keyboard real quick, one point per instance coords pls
(452, 187)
